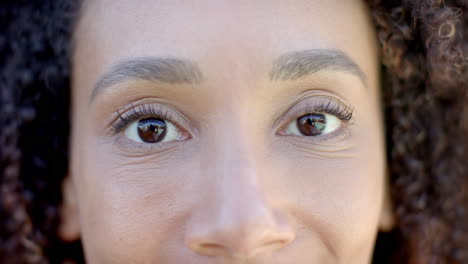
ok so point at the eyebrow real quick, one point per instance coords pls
(289, 66)
(299, 64)
(160, 70)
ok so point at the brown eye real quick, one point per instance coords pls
(151, 130)
(154, 130)
(311, 124)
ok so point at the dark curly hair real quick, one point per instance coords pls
(424, 64)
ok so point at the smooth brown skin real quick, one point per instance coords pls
(235, 189)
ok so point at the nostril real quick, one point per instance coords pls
(243, 250)
(210, 245)
(240, 241)
(280, 242)
(208, 249)
(272, 245)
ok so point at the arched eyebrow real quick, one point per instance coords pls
(154, 69)
(299, 64)
(287, 67)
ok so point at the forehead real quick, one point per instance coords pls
(241, 35)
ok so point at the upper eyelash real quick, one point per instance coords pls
(341, 111)
(138, 112)
(329, 106)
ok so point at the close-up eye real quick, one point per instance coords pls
(313, 124)
(152, 130)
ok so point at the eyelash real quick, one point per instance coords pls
(139, 112)
(329, 106)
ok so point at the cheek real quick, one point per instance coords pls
(135, 204)
(340, 198)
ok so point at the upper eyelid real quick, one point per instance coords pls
(297, 109)
(135, 112)
(145, 109)
(345, 111)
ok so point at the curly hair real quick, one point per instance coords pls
(424, 64)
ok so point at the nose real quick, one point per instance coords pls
(236, 221)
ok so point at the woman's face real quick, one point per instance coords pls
(225, 132)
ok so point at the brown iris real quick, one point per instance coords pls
(311, 124)
(152, 130)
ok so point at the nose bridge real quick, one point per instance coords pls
(236, 218)
(234, 147)
(238, 170)
(240, 200)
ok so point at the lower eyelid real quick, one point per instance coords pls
(342, 134)
(132, 148)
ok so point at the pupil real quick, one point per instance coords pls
(311, 124)
(152, 130)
